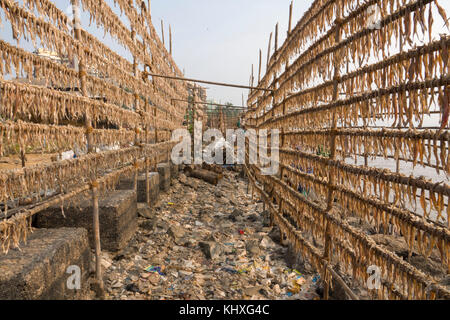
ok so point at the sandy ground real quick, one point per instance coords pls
(14, 162)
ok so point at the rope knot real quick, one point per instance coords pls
(94, 184)
(89, 130)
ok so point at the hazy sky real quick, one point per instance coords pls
(219, 40)
(214, 40)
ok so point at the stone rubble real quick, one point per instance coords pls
(204, 242)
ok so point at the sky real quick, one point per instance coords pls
(216, 40)
(219, 40)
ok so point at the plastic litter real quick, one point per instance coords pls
(153, 269)
(176, 267)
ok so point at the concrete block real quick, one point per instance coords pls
(39, 270)
(154, 186)
(118, 218)
(174, 170)
(164, 176)
(128, 184)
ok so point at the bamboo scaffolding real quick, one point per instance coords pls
(326, 115)
(57, 103)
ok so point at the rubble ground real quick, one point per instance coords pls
(205, 242)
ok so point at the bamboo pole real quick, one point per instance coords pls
(276, 37)
(155, 121)
(290, 18)
(193, 120)
(268, 50)
(136, 107)
(170, 39)
(23, 157)
(252, 80)
(162, 32)
(147, 167)
(328, 250)
(89, 129)
(260, 64)
(82, 72)
(96, 224)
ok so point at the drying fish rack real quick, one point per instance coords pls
(350, 80)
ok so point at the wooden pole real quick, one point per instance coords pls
(328, 250)
(98, 250)
(147, 168)
(193, 120)
(222, 122)
(82, 72)
(162, 31)
(260, 63)
(252, 79)
(338, 278)
(147, 177)
(276, 37)
(268, 50)
(23, 157)
(136, 107)
(90, 148)
(290, 18)
(170, 39)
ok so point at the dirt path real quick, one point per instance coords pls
(205, 242)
